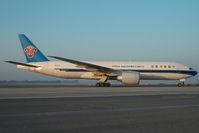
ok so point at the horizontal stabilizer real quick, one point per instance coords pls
(23, 64)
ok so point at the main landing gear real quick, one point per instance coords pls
(103, 84)
(181, 83)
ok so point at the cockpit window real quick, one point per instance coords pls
(190, 68)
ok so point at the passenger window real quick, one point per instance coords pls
(156, 66)
(165, 66)
(161, 66)
(173, 66)
(169, 66)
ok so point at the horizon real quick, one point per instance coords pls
(127, 30)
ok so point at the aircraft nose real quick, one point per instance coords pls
(195, 73)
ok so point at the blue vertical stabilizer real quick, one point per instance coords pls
(32, 53)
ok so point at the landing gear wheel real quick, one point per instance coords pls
(181, 84)
(107, 84)
(97, 84)
(103, 84)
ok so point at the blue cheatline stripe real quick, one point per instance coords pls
(188, 72)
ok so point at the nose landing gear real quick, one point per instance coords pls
(181, 83)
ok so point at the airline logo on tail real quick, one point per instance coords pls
(30, 51)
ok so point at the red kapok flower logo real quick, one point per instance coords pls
(30, 51)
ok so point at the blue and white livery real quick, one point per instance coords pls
(125, 72)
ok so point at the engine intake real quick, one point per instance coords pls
(132, 78)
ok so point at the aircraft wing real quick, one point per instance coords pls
(98, 70)
(23, 64)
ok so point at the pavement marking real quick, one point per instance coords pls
(97, 111)
(179, 97)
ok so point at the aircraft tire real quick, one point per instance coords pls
(103, 84)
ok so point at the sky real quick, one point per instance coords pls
(102, 30)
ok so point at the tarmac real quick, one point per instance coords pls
(88, 109)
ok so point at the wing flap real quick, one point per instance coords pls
(99, 70)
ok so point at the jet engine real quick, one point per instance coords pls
(129, 78)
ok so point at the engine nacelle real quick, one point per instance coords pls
(129, 78)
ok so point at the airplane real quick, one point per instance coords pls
(126, 72)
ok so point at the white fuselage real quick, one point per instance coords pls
(147, 70)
